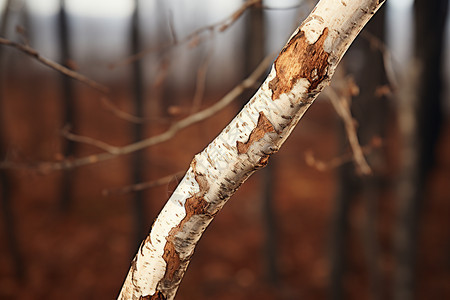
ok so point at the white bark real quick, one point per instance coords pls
(303, 68)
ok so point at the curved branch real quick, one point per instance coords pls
(113, 151)
(342, 107)
(60, 68)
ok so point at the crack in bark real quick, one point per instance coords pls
(300, 59)
(262, 127)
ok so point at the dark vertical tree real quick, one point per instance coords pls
(340, 228)
(420, 118)
(253, 54)
(167, 93)
(6, 179)
(68, 95)
(138, 130)
(369, 110)
(253, 43)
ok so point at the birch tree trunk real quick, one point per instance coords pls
(303, 68)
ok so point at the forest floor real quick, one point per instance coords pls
(85, 253)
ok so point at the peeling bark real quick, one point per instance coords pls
(300, 59)
(262, 127)
(303, 68)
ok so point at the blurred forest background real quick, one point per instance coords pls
(79, 190)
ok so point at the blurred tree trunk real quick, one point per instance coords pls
(420, 117)
(168, 92)
(138, 157)
(68, 94)
(303, 68)
(370, 112)
(6, 179)
(254, 42)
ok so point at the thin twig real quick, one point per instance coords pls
(335, 162)
(109, 105)
(387, 57)
(201, 82)
(142, 186)
(237, 14)
(172, 28)
(341, 105)
(113, 151)
(194, 36)
(66, 71)
(74, 75)
(88, 140)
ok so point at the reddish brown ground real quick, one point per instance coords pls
(86, 253)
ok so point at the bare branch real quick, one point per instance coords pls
(237, 14)
(55, 66)
(74, 75)
(88, 140)
(112, 151)
(201, 82)
(172, 27)
(342, 107)
(193, 38)
(387, 57)
(335, 162)
(109, 105)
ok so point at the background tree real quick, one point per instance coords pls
(254, 42)
(370, 110)
(68, 95)
(420, 116)
(6, 182)
(139, 109)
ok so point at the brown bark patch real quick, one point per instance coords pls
(172, 259)
(156, 296)
(300, 59)
(195, 205)
(262, 127)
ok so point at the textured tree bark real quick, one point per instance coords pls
(254, 53)
(303, 68)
